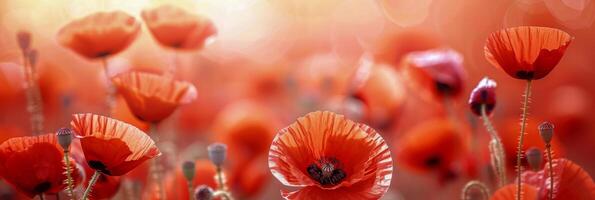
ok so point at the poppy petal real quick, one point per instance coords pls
(508, 192)
(570, 181)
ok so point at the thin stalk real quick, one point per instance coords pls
(483, 189)
(34, 102)
(548, 149)
(110, 101)
(69, 180)
(170, 71)
(221, 184)
(156, 165)
(525, 108)
(190, 190)
(91, 184)
(496, 149)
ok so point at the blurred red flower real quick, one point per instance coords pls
(128, 146)
(331, 157)
(570, 181)
(394, 45)
(527, 52)
(176, 186)
(99, 35)
(508, 192)
(177, 28)
(34, 164)
(151, 97)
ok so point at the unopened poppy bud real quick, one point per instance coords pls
(546, 131)
(217, 153)
(24, 40)
(483, 94)
(189, 170)
(32, 56)
(534, 158)
(64, 138)
(444, 67)
(203, 192)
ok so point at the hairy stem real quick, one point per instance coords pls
(496, 149)
(525, 107)
(223, 194)
(548, 149)
(156, 167)
(91, 184)
(68, 171)
(110, 101)
(221, 184)
(483, 189)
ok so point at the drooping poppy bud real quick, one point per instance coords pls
(483, 94)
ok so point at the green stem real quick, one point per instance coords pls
(496, 149)
(69, 181)
(525, 107)
(91, 184)
(548, 149)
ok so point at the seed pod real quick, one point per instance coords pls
(64, 138)
(534, 158)
(189, 170)
(217, 153)
(546, 131)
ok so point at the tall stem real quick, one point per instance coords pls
(548, 149)
(110, 101)
(156, 167)
(34, 102)
(91, 184)
(221, 183)
(525, 107)
(190, 190)
(69, 181)
(496, 149)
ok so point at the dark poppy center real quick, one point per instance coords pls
(42, 187)
(433, 161)
(444, 88)
(326, 171)
(527, 75)
(99, 166)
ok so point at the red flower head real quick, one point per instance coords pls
(439, 71)
(34, 164)
(331, 157)
(176, 28)
(151, 97)
(110, 146)
(99, 35)
(570, 181)
(508, 192)
(483, 94)
(527, 52)
(433, 145)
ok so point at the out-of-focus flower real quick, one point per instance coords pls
(176, 186)
(439, 71)
(34, 164)
(527, 52)
(99, 35)
(508, 192)
(378, 87)
(393, 46)
(151, 97)
(128, 146)
(570, 181)
(432, 146)
(177, 28)
(329, 156)
(483, 94)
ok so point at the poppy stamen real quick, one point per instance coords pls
(99, 166)
(42, 187)
(327, 172)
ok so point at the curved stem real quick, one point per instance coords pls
(91, 184)
(496, 149)
(548, 149)
(223, 194)
(483, 189)
(525, 107)
(69, 181)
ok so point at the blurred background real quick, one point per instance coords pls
(275, 60)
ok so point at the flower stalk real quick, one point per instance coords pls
(91, 184)
(156, 167)
(110, 101)
(32, 91)
(496, 149)
(525, 108)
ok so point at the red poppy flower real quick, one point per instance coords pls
(570, 181)
(128, 146)
(331, 157)
(99, 35)
(393, 46)
(176, 28)
(151, 97)
(508, 192)
(527, 52)
(439, 71)
(432, 146)
(380, 90)
(34, 164)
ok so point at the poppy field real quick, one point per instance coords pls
(297, 99)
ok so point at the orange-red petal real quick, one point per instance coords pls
(111, 146)
(100, 34)
(570, 181)
(527, 52)
(152, 97)
(508, 192)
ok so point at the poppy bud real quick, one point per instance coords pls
(217, 153)
(546, 131)
(534, 158)
(64, 137)
(189, 170)
(32, 56)
(203, 192)
(483, 94)
(24, 40)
